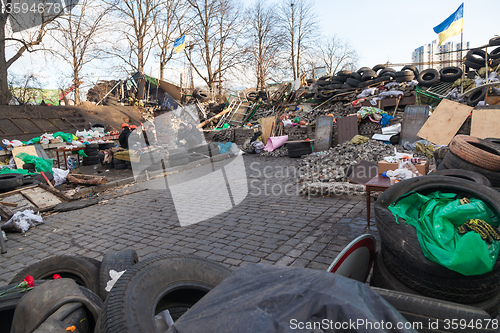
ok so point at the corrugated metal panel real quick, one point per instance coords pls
(414, 118)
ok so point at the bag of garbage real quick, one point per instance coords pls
(437, 216)
(67, 137)
(22, 221)
(41, 164)
(59, 175)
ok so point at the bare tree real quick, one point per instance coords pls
(265, 42)
(24, 88)
(79, 36)
(217, 28)
(168, 26)
(137, 17)
(337, 54)
(23, 32)
(299, 26)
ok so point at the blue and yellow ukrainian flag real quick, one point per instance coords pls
(452, 26)
(180, 44)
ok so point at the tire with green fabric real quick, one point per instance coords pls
(403, 254)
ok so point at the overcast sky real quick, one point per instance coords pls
(379, 31)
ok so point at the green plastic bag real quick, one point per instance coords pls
(19, 171)
(81, 153)
(436, 217)
(67, 137)
(41, 164)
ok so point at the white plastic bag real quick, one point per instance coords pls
(22, 221)
(59, 175)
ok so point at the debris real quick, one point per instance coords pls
(22, 221)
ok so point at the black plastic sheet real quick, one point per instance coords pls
(264, 298)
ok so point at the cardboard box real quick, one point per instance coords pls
(383, 166)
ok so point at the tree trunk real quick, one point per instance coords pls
(5, 94)
(162, 68)
(140, 56)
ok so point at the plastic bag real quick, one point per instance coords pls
(59, 175)
(436, 217)
(225, 147)
(65, 136)
(41, 164)
(22, 221)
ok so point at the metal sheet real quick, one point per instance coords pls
(414, 118)
(324, 128)
(347, 128)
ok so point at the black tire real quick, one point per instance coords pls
(473, 65)
(116, 260)
(404, 258)
(386, 76)
(298, 145)
(179, 162)
(376, 68)
(322, 83)
(362, 69)
(120, 166)
(386, 70)
(174, 282)
(80, 269)
(107, 145)
(452, 161)
(428, 77)
(368, 75)
(383, 278)
(10, 180)
(493, 140)
(477, 56)
(93, 160)
(494, 41)
(29, 166)
(295, 153)
(411, 68)
(353, 82)
(323, 95)
(333, 86)
(441, 166)
(355, 76)
(116, 161)
(404, 76)
(450, 74)
(338, 79)
(8, 303)
(440, 153)
(463, 174)
(195, 157)
(325, 78)
(344, 73)
(495, 54)
(178, 156)
(477, 96)
(425, 311)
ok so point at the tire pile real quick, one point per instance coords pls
(472, 154)
(401, 265)
(171, 282)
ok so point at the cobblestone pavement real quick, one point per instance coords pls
(272, 225)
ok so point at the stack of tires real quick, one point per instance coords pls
(120, 164)
(67, 308)
(401, 265)
(92, 152)
(473, 154)
(177, 157)
(10, 181)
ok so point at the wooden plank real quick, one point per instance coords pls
(485, 123)
(56, 192)
(41, 198)
(9, 204)
(5, 213)
(30, 150)
(22, 203)
(444, 122)
(267, 128)
(8, 194)
(347, 128)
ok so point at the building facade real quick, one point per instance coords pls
(433, 56)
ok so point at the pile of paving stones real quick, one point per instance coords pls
(279, 152)
(326, 169)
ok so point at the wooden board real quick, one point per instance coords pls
(347, 128)
(363, 172)
(485, 123)
(41, 198)
(267, 128)
(444, 122)
(30, 150)
(22, 203)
